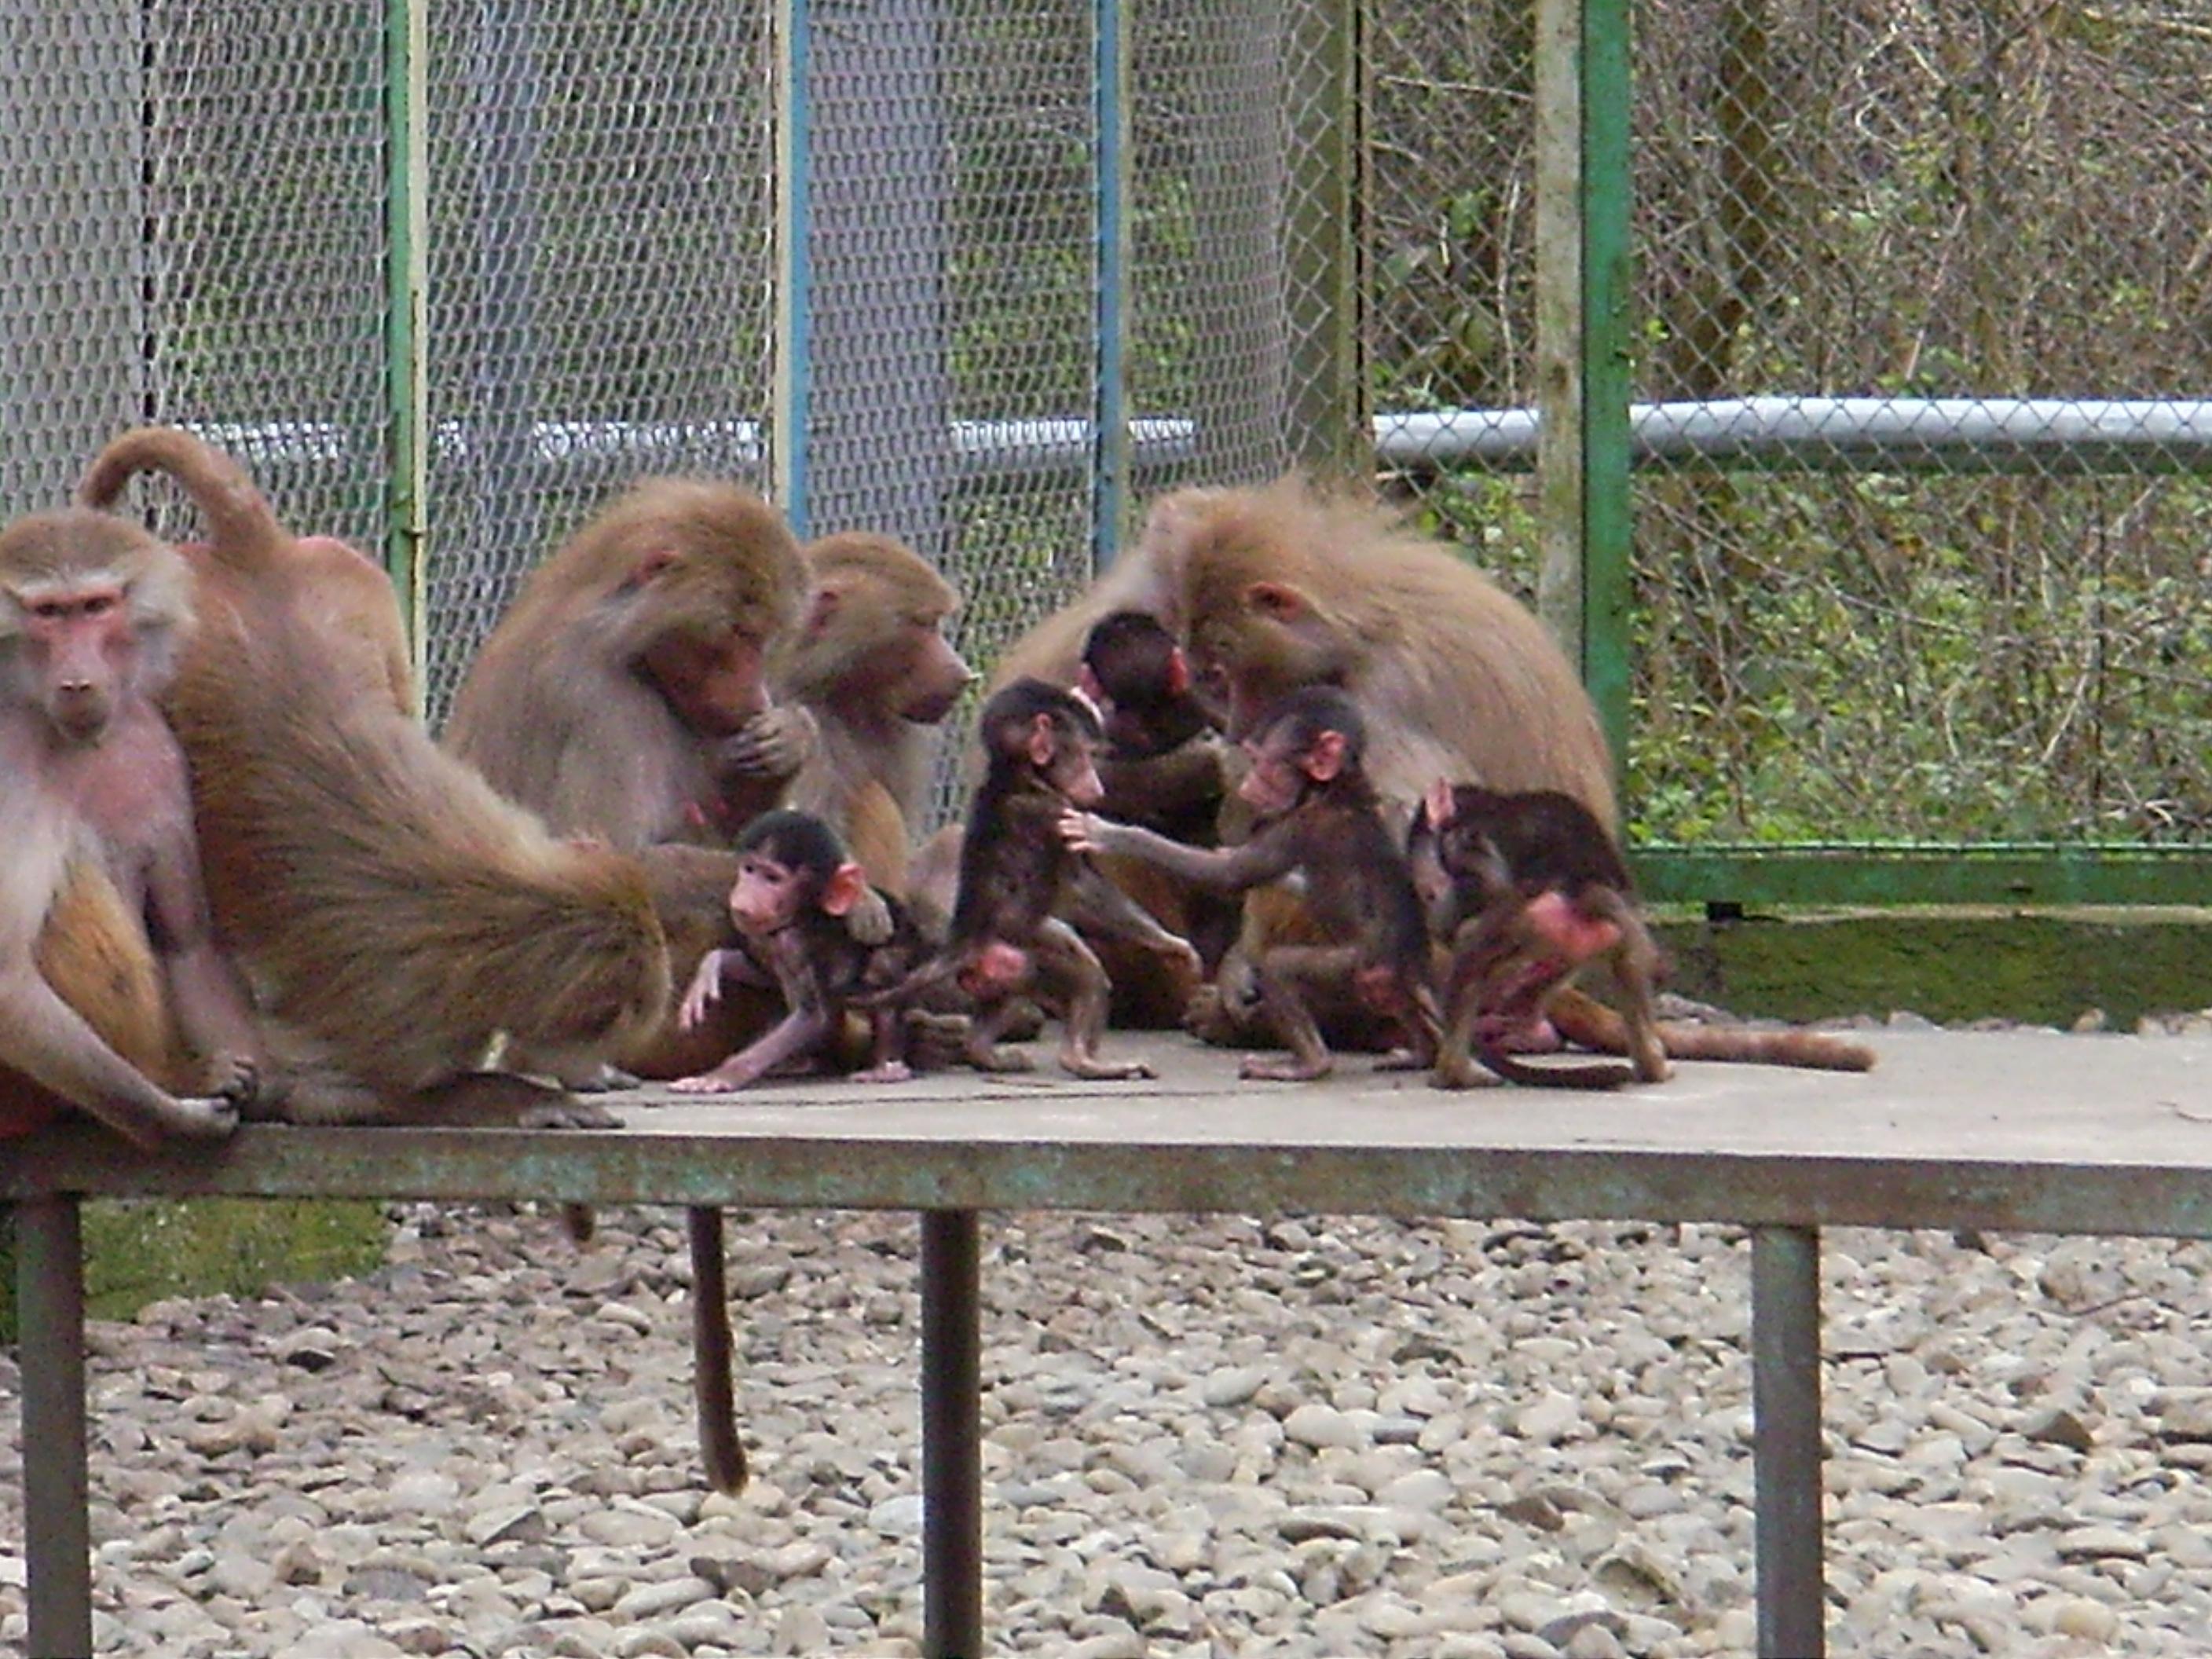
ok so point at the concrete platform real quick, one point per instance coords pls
(2024, 1130)
(2021, 1130)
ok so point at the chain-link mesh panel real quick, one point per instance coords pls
(1997, 205)
(957, 160)
(70, 213)
(1919, 328)
(951, 381)
(1450, 226)
(600, 223)
(192, 203)
(1208, 340)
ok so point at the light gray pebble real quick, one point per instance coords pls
(2102, 1544)
(1318, 1425)
(597, 1595)
(652, 1600)
(898, 1517)
(1363, 1437)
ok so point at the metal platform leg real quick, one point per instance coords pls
(952, 1437)
(1785, 1386)
(50, 1309)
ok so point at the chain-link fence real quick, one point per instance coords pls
(1936, 283)
(600, 207)
(191, 221)
(1061, 253)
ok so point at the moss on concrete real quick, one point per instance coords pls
(140, 1251)
(1950, 964)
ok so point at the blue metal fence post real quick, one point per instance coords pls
(1109, 468)
(794, 298)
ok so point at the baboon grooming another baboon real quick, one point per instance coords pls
(1288, 584)
(394, 912)
(1317, 818)
(624, 695)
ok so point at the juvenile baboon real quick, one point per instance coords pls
(1317, 818)
(794, 889)
(1165, 768)
(1017, 873)
(1525, 889)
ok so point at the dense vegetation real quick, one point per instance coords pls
(1990, 199)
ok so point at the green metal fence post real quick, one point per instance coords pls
(1331, 430)
(1583, 343)
(1607, 354)
(406, 107)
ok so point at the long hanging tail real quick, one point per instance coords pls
(713, 1354)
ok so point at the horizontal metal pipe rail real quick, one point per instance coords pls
(1827, 434)
(2073, 436)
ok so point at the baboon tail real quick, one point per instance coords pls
(1818, 1051)
(239, 523)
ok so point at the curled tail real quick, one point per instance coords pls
(1596, 1075)
(239, 523)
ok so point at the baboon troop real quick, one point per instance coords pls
(1291, 774)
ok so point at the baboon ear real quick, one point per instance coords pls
(846, 886)
(821, 606)
(1087, 684)
(1042, 743)
(1178, 673)
(1326, 758)
(647, 566)
(1277, 599)
(1439, 803)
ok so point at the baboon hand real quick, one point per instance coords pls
(1083, 832)
(774, 744)
(201, 1117)
(238, 1079)
(703, 993)
(869, 921)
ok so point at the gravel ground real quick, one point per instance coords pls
(1204, 1436)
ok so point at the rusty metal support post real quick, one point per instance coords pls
(1786, 1388)
(951, 1436)
(50, 1310)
